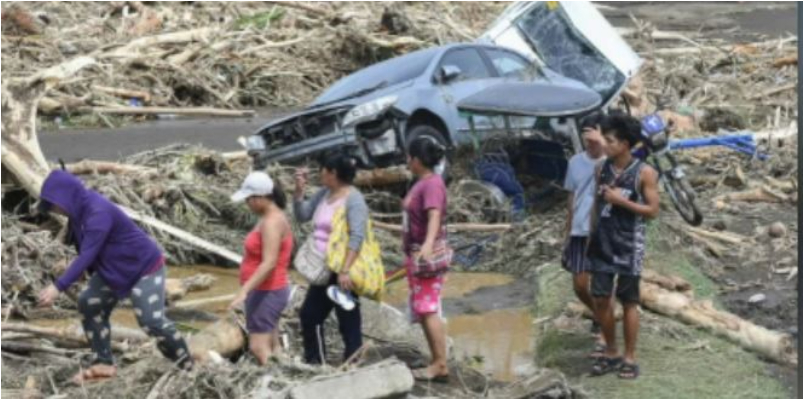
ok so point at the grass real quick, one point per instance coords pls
(260, 20)
(677, 361)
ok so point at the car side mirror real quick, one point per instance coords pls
(449, 73)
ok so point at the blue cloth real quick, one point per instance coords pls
(580, 180)
(109, 243)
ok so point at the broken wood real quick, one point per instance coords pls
(669, 282)
(728, 237)
(224, 337)
(785, 61)
(176, 289)
(24, 347)
(194, 111)
(131, 49)
(74, 334)
(776, 90)
(184, 236)
(757, 195)
(204, 302)
(21, 154)
(123, 93)
(383, 177)
(87, 167)
(715, 248)
(776, 346)
(55, 105)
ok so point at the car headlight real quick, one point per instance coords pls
(368, 111)
(255, 143)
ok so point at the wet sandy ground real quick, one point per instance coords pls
(488, 316)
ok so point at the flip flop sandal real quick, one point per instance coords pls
(87, 376)
(418, 364)
(629, 371)
(604, 365)
(598, 351)
(422, 375)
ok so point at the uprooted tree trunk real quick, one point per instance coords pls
(777, 346)
(22, 155)
(23, 158)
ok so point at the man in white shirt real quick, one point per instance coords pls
(580, 183)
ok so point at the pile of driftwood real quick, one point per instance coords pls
(163, 57)
(706, 84)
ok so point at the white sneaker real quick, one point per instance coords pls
(341, 298)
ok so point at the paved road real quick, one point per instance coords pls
(735, 20)
(112, 144)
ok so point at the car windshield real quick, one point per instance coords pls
(393, 71)
(567, 52)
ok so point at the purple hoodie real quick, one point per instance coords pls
(108, 241)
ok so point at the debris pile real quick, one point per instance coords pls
(164, 54)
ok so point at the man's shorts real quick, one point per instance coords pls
(627, 286)
(574, 258)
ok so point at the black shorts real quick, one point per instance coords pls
(574, 257)
(627, 286)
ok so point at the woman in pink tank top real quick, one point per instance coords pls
(264, 268)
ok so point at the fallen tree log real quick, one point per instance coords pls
(669, 282)
(86, 167)
(73, 335)
(383, 177)
(193, 111)
(224, 337)
(204, 302)
(124, 93)
(176, 289)
(776, 346)
(25, 347)
(184, 236)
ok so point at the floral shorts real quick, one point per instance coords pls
(425, 294)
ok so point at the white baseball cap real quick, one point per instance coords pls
(255, 184)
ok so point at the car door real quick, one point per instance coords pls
(510, 65)
(569, 37)
(476, 74)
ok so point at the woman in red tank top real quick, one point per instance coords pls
(264, 268)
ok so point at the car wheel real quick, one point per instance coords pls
(429, 131)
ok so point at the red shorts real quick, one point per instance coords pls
(425, 294)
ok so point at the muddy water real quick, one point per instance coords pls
(498, 340)
(486, 327)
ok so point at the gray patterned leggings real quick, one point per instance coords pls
(148, 298)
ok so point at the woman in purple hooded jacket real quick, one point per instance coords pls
(123, 261)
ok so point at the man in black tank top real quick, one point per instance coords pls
(627, 195)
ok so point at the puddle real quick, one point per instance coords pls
(488, 316)
(488, 319)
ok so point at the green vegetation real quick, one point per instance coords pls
(677, 361)
(260, 20)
